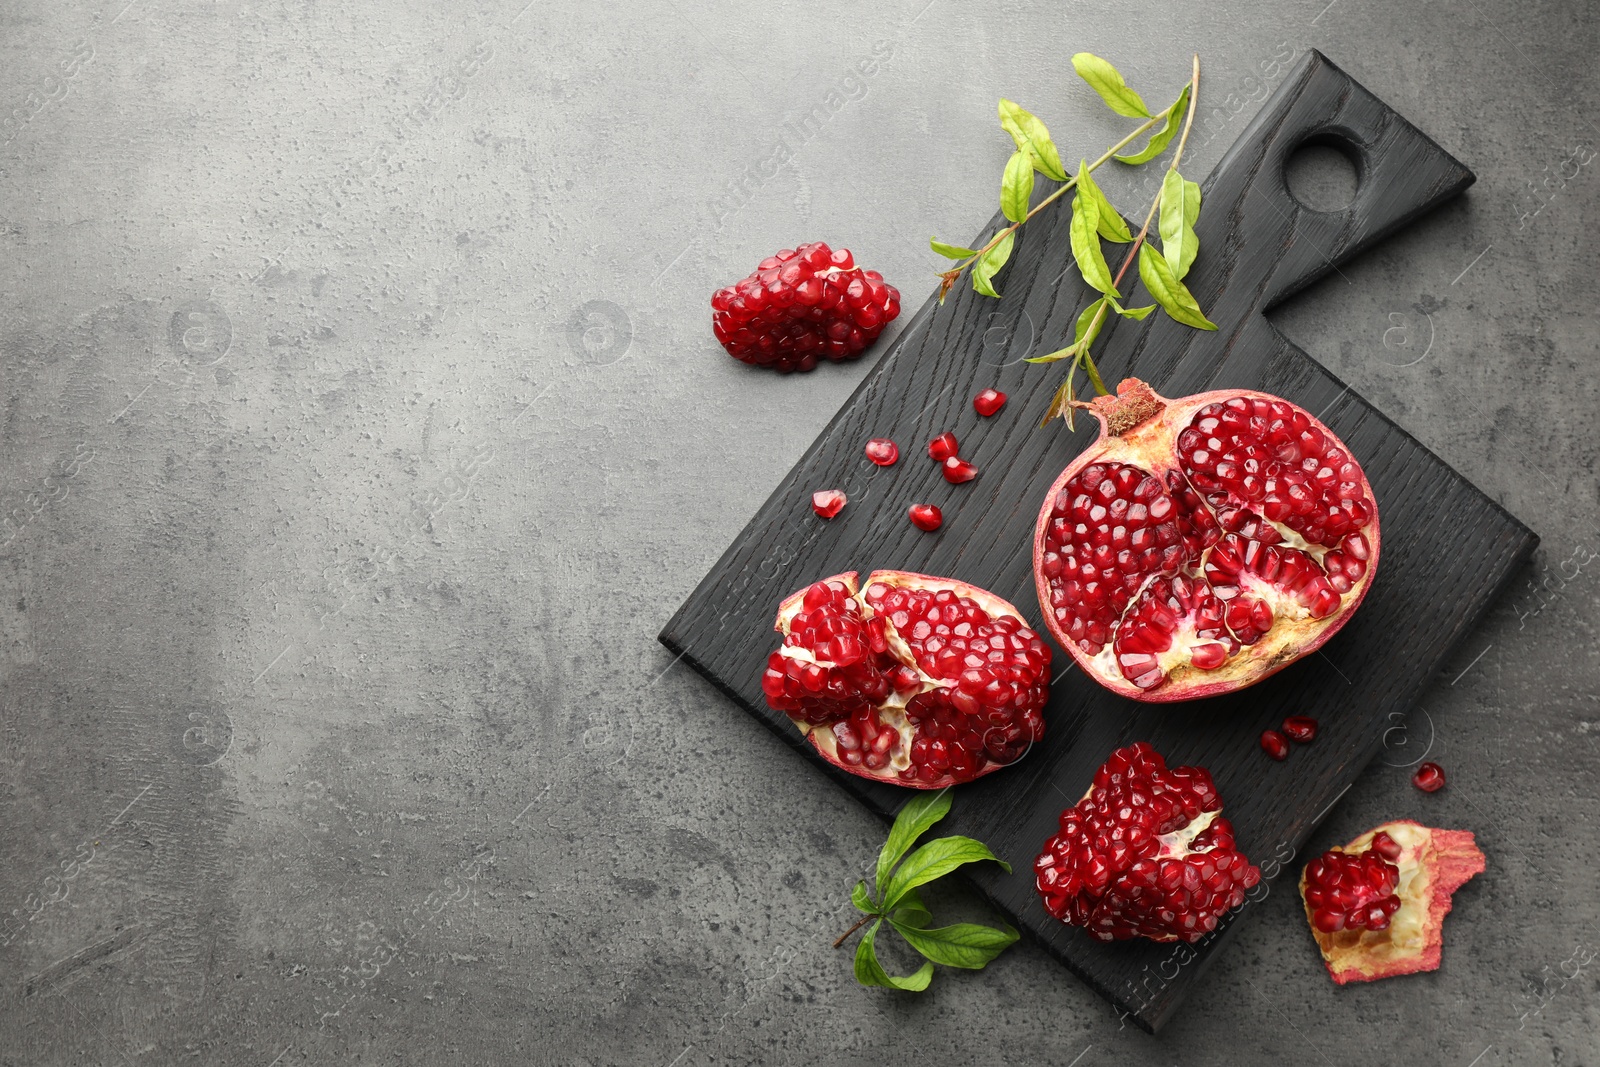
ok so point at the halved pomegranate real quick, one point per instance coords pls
(915, 680)
(1377, 905)
(1202, 544)
(1145, 853)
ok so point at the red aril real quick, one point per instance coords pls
(1301, 728)
(1145, 853)
(1202, 544)
(1275, 744)
(926, 516)
(1377, 905)
(988, 402)
(883, 451)
(957, 470)
(1429, 778)
(912, 680)
(943, 447)
(828, 502)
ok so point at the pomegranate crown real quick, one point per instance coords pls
(1135, 404)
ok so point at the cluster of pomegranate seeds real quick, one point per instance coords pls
(1274, 744)
(1354, 892)
(1301, 728)
(1429, 777)
(883, 452)
(988, 402)
(1145, 854)
(943, 447)
(828, 502)
(1261, 518)
(926, 516)
(969, 699)
(998, 671)
(803, 305)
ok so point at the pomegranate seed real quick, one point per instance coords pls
(988, 402)
(926, 516)
(828, 502)
(1274, 744)
(1350, 891)
(943, 447)
(957, 470)
(883, 451)
(1386, 846)
(1301, 728)
(1429, 777)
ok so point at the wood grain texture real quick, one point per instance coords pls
(1447, 551)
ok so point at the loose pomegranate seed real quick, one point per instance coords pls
(943, 447)
(1274, 744)
(1429, 777)
(883, 451)
(828, 502)
(1301, 728)
(801, 305)
(1146, 854)
(926, 516)
(988, 402)
(957, 470)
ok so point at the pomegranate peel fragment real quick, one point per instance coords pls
(1430, 866)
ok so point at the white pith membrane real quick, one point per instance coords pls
(892, 711)
(1293, 632)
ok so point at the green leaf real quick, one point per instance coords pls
(1169, 292)
(1180, 208)
(920, 812)
(1086, 243)
(1111, 225)
(1080, 331)
(934, 860)
(989, 264)
(1017, 186)
(1161, 138)
(967, 945)
(1104, 79)
(1134, 313)
(870, 972)
(912, 911)
(860, 898)
(1032, 137)
(951, 251)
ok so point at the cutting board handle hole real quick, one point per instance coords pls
(1323, 172)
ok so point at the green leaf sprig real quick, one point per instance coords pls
(896, 901)
(1175, 210)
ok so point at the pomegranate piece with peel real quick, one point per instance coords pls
(943, 447)
(1145, 853)
(988, 402)
(910, 679)
(828, 502)
(883, 452)
(1202, 544)
(926, 516)
(802, 305)
(1377, 905)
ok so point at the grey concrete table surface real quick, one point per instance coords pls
(362, 425)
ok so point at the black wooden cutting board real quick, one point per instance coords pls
(1447, 548)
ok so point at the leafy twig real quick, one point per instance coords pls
(896, 902)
